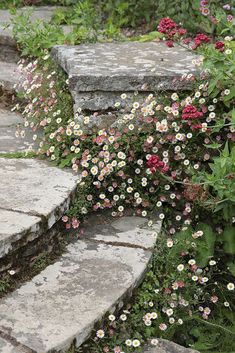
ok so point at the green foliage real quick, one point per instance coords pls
(34, 38)
(228, 239)
(220, 182)
(4, 285)
(205, 245)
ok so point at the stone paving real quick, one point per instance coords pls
(11, 123)
(100, 73)
(65, 300)
(33, 196)
(165, 346)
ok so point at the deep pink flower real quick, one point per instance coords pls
(199, 39)
(219, 46)
(230, 18)
(166, 25)
(190, 112)
(154, 163)
(170, 43)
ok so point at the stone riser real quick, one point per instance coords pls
(9, 54)
(28, 248)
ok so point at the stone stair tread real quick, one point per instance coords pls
(65, 300)
(123, 66)
(14, 226)
(10, 124)
(120, 231)
(35, 195)
(9, 118)
(165, 346)
(9, 143)
(9, 75)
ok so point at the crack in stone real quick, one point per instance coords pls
(35, 214)
(117, 243)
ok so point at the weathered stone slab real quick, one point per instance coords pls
(9, 118)
(14, 226)
(7, 347)
(64, 301)
(9, 76)
(165, 346)
(9, 143)
(11, 137)
(9, 53)
(127, 230)
(36, 188)
(124, 67)
(101, 100)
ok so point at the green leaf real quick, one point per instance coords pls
(231, 267)
(229, 240)
(205, 244)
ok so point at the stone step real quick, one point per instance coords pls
(11, 127)
(64, 301)
(33, 197)
(100, 73)
(164, 346)
(9, 76)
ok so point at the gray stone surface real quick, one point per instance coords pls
(165, 346)
(127, 230)
(35, 187)
(99, 73)
(9, 53)
(123, 66)
(9, 76)
(14, 226)
(33, 197)
(101, 100)
(9, 118)
(64, 301)
(7, 347)
(9, 143)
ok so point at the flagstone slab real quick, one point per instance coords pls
(9, 76)
(165, 346)
(127, 230)
(9, 118)
(9, 143)
(66, 299)
(124, 66)
(7, 347)
(99, 73)
(35, 187)
(14, 226)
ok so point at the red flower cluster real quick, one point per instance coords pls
(168, 27)
(190, 113)
(219, 46)
(199, 39)
(154, 163)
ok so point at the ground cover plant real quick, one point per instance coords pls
(170, 157)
